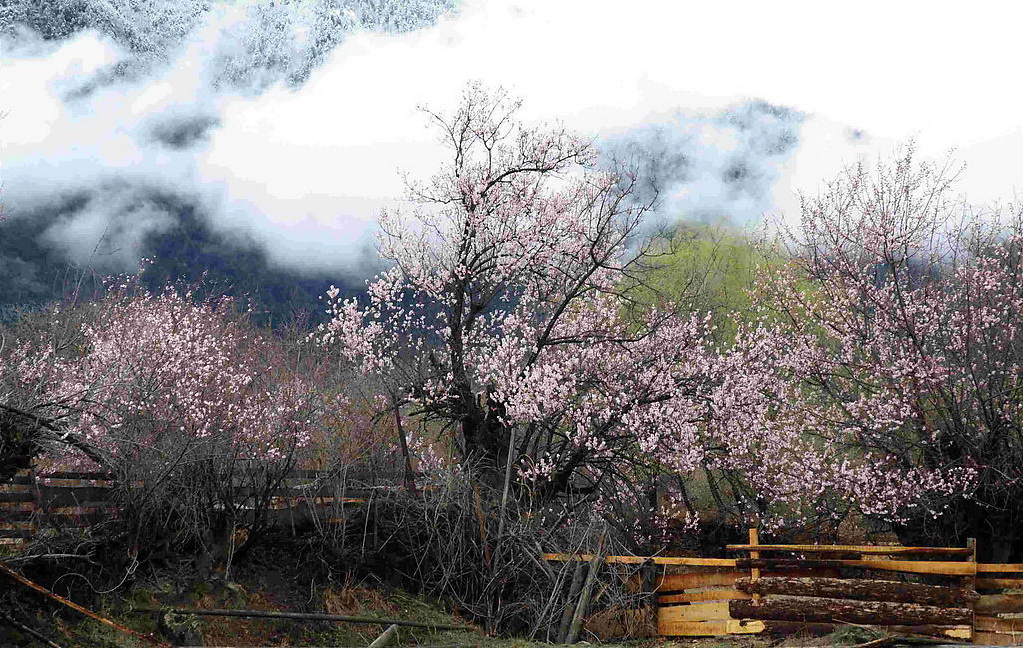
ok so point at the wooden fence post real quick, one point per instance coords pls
(584, 597)
(971, 543)
(754, 576)
(573, 595)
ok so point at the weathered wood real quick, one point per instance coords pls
(675, 582)
(717, 628)
(997, 639)
(584, 597)
(573, 594)
(994, 624)
(904, 566)
(695, 612)
(1000, 583)
(707, 594)
(860, 589)
(894, 550)
(17, 496)
(999, 604)
(639, 560)
(786, 628)
(303, 616)
(385, 637)
(754, 574)
(802, 608)
(999, 568)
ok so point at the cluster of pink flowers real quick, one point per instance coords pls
(143, 371)
(505, 312)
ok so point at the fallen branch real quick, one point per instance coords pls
(24, 628)
(74, 606)
(308, 616)
(40, 557)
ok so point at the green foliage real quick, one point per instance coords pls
(708, 267)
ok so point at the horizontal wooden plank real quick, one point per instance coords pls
(71, 474)
(717, 628)
(694, 612)
(675, 582)
(692, 628)
(1000, 583)
(902, 566)
(999, 568)
(997, 639)
(25, 496)
(994, 624)
(17, 533)
(999, 604)
(708, 594)
(639, 560)
(892, 550)
(15, 515)
(20, 524)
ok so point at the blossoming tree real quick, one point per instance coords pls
(183, 401)
(895, 332)
(506, 318)
(502, 314)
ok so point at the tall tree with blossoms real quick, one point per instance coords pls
(502, 314)
(894, 332)
(506, 317)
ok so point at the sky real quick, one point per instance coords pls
(295, 148)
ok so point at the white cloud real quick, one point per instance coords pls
(304, 171)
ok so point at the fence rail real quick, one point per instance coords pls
(930, 592)
(77, 499)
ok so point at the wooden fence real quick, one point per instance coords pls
(77, 499)
(939, 592)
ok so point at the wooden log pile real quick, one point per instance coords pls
(997, 611)
(938, 593)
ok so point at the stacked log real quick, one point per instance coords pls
(807, 608)
(861, 590)
(997, 622)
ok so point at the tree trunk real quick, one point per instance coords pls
(829, 610)
(859, 589)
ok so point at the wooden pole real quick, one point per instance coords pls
(754, 574)
(386, 637)
(584, 596)
(310, 616)
(971, 543)
(573, 594)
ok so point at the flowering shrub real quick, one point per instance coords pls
(197, 415)
(145, 371)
